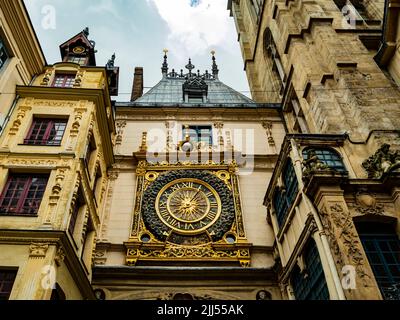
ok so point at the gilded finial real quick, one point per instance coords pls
(164, 68)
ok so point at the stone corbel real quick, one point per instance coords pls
(22, 111)
(38, 250)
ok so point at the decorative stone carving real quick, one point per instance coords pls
(383, 161)
(120, 125)
(60, 256)
(58, 185)
(333, 244)
(268, 127)
(141, 168)
(38, 250)
(143, 146)
(183, 296)
(342, 228)
(100, 257)
(47, 77)
(219, 125)
(33, 163)
(313, 164)
(367, 204)
(78, 78)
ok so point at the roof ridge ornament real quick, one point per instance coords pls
(164, 68)
(215, 70)
(190, 67)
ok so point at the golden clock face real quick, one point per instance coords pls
(188, 206)
(79, 49)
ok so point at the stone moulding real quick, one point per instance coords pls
(170, 253)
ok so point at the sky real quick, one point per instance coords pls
(138, 31)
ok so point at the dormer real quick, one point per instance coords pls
(79, 49)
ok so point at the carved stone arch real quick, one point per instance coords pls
(268, 42)
(170, 294)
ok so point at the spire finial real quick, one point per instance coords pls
(215, 70)
(190, 66)
(86, 31)
(164, 68)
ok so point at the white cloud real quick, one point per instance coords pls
(105, 6)
(194, 30)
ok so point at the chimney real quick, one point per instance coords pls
(137, 88)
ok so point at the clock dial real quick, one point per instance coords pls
(79, 49)
(188, 206)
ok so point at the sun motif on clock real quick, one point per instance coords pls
(188, 206)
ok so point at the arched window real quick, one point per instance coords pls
(310, 284)
(271, 51)
(284, 197)
(328, 156)
(382, 247)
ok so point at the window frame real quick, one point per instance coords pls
(314, 285)
(197, 128)
(285, 197)
(4, 50)
(83, 60)
(51, 124)
(374, 235)
(66, 80)
(5, 295)
(78, 205)
(23, 196)
(341, 168)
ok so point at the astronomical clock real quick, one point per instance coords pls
(187, 213)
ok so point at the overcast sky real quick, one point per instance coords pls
(138, 31)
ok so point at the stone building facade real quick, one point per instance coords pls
(194, 191)
(333, 200)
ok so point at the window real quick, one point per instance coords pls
(7, 278)
(382, 247)
(272, 52)
(90, 148)
(48, 132)
(78, 59)
(195, 97)
(257, 7)
(281, 206)
(285, 197)
(294, 114)
(353, 11)
(310, 284)
(79, 203)
(64, 80)
(199, 134)
(328, 156)
(3, 54)
(97, 185)
(23, 194)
